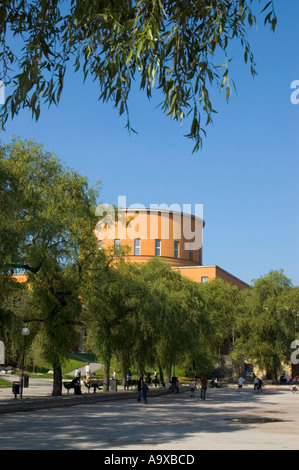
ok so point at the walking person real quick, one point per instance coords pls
(128, 380)
(240, 383)
(260, 385)
(192, 387)
(87, 370)
(139, 388)
(204, 385)
(144, 392)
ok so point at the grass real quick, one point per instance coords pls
(5, 383)
(41, 370)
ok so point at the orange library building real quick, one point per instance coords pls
(172, 235)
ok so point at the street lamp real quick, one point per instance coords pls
(25, 333)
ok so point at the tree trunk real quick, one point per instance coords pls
(168, 373)
(161, 375)
(106, 376)
(139, 371)
(57, 379)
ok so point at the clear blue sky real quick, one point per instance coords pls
(246, 175)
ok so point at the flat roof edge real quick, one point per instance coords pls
(212, 266)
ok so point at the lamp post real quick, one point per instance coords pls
(25, 333)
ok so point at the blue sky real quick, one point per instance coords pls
(246, 175)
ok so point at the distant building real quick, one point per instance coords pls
(174, 236)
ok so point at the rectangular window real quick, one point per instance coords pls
(204, 279)
(137, 246)
(176, 249)
(116, 246)
(157, 247)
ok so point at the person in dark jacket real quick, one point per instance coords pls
(139, 388)
(144, 392)
(204, 384)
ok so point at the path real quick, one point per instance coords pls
(173, 423)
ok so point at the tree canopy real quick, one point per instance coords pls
(267, 322)
(47, 221)
(176, 46)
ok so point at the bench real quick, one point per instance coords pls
(75, 386)
(95, 384)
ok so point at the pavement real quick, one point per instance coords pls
(94, 366)
(229, 419)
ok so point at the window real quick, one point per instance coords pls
(137, 246)
(204, 279)
(176, 249)
(116, 246)
(157, 247)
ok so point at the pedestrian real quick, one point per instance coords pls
(77, 373)
(144, 392)
(129, 379)
(240, 383)
(260, 384)
(192, 387)
(214, 383)
(139, 388)
(87, 370)
(156, 380)
(255, 384)
(204, 385)
(87, 382)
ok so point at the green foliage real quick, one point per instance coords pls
(51, 222)
(223, 304)
(5, 383)
(50, 208)
(169, 45)
(263, 328)
(146, 315)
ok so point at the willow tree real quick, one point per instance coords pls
(263, 329)
(223, 301)
(47, 237)
(170, 45)
(103, 295)
(172, 315)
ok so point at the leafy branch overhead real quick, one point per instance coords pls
(169, 45)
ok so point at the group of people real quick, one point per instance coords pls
(257, 384)
(77, 379)
(203, 383)
(173, 386)
(76, 382)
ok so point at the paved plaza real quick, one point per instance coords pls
(228, 419)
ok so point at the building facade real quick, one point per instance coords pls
(174, 236)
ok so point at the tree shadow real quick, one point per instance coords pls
(122, 423)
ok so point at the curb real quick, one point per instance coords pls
(34, 404)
